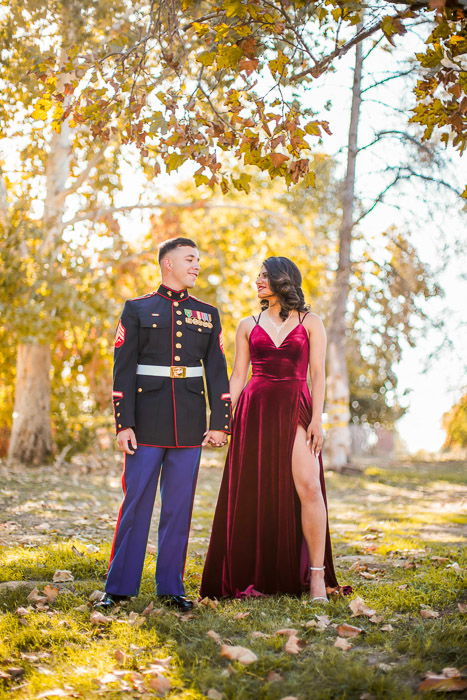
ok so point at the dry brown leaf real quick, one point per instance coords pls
(214, 694)
(277, 159)
(36, 597)
(215, 636)
(323, 621)
(236, 653)
(451, 672)
(443, 685)
(151, 549)
(241, 615)
(376, 619)
(62, 575)
(120, 656)
(259, 635)
(160, 684)
(289, 697)
(274, 677)
(387, 628)
(287, 631)
(403, 587)
(136, 620)
(97, 618)
(51, 593)
(367, 575)
(294, 645)
(53, 693)
(22, 612)
(346, 630)
(428, 613)
(209, 603)
(15, 671)
(148, 609)
(359, 607)
(462, 607)
(342, 643)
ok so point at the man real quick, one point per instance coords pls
(160, 413)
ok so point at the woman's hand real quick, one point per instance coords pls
(315, 436)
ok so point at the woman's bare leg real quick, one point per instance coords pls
(305, 471)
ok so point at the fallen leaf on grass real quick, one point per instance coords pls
(346, 630)
(376, 619)
(259, 635)
(342, 643)
(22, 612)
(151, 549)
(55, 693)
(387, 628)
(120, 656)
(148, 609)
(323, 621)
(160, 684)
(97, 618)
(359, 607)
(51, 593)
(214, 694)
(289, 697)
(462, 607)
(454, 566)
(236, 653)
(4, 675)
(62, 575)
(215, 636)
(448, 681)
(209, 603)
(76, 551)
(95, 596)
(288, 631)
(403, 587)
(36, 597)
(274, 677)
(81, 608)
(241, 615)
(15, 671)
(135, 620)
(428, 613)
(294, 645)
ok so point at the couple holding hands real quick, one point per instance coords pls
(270, 532)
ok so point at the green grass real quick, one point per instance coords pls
(397, 521)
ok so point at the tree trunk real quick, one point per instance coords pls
(338, 395)
(31, 435)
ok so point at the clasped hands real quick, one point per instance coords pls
(126, 440)
(214, 438)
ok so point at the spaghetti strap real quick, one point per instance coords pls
(300, 320)
(256, 320)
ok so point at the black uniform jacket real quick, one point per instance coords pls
(170, 328)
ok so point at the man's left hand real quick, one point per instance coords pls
(215, 438)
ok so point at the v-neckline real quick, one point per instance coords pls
(283, 340)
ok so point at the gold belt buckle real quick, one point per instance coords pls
(177, 372)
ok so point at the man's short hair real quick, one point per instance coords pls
(173, 243)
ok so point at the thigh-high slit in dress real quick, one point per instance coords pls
(257, 544)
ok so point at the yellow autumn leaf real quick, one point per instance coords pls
(206, 58)
(174, 161)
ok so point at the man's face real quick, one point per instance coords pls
(183, 265)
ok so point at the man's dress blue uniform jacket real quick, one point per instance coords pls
(170, 328)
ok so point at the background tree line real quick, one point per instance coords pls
(88, 87)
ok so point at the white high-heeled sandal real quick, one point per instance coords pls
(319, 597)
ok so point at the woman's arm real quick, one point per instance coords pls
(317, 368)
(242, 360)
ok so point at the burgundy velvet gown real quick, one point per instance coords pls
(257, 544)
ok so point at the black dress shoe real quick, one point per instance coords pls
(177, 601)
(109, 600)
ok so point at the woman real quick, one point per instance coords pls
(270, 532)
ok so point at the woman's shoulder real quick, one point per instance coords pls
(312, 321)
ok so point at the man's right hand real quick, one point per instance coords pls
(123, 438)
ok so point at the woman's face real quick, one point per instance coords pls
(262, 284)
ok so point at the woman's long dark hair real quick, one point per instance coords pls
(285, 281)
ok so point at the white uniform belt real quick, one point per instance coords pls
(175, 371)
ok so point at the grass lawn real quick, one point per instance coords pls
(398, 538)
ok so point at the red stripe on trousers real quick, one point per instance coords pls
(119, 512)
